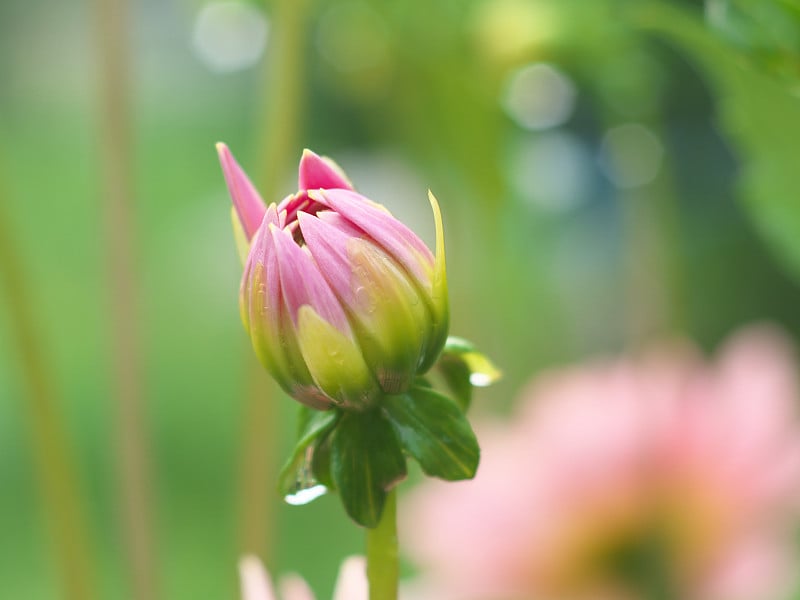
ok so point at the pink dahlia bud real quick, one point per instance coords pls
(342, 301)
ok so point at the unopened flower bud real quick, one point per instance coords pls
(341, 300)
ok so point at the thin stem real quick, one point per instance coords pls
(283, 91)
(382, 566)
(285, 95)
(112, 19)
(258, 468)
(52, 453)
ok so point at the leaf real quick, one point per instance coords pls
(456, 376)
(366, 461)
(296, 474)
(463, 368)
(433, 429)
(760, 116)
(321, 462)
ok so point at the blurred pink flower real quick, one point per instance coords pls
(655, 477)
(257, 584)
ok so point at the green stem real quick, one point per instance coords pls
(382, 566)
(52, 450)
(112, 20)
(279, 149)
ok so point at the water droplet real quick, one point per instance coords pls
(365, 298)
(335, 355)
(306, 495)
(481, 379)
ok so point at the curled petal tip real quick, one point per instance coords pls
(437, 217)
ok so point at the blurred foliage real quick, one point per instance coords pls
(417, 86)
(759, 101)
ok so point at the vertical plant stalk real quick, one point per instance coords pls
(112, 48)
(52, 454)
(258, 469)
(382, 564)
(284, 94)
(653, 286)
(279, 148)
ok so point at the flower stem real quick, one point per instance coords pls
(112, 21)
(283, 98)
(382, 566)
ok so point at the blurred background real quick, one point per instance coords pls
(610, 173)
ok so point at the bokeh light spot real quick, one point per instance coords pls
(552, 171)
(539, 96)
(230, 36)
(509, 30)
(631, 155)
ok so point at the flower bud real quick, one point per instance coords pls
(341, 300)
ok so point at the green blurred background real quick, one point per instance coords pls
(609, 172)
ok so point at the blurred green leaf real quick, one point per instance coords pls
(433, 429)
(760, 116)
(366, 460)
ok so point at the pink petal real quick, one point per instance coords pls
(259, 254)
(295, 203)
(247, 201)
(352, 581)
(302, 283)
(396, 239)
(319, 173)
(255, 581)
(328, 246)
(265, 316)
(294, 587)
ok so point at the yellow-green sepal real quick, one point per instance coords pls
(239, 237)
(439, 302)
(334, 360)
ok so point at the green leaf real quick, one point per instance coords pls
(321, 461)
(366, 461)
(296, 474)
(463, 368)
(760, 115)
(456, 376)
(433, 429)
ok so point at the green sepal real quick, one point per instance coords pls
(297, 473)
(366, 461)
(433, 429)
(462, 367)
